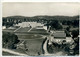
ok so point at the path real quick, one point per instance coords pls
(45, 47)
(30, 30)
(13, 52)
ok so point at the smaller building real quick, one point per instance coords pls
(69, 40)
(28, 24)
(58, 36)
(3, 27)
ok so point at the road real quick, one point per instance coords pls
(13, 52)
(45, 47)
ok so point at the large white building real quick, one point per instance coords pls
(32, 24)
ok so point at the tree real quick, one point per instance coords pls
(67, 33)
(9, 39)
(76, 23)
(75, 33)
(76, 49)
(55, 24)
(68, 28)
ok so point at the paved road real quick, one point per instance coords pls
(13, 52)
(30, 29)
(45, 47)
(17, 29)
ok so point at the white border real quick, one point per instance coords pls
(40, 0)
(0, 29)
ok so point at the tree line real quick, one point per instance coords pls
(65, 20)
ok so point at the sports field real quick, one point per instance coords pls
(34, 46)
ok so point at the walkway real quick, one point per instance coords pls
(13, 52)
(45, 47)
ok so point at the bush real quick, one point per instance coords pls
(67, 33)
(9, 39)
(75, 33)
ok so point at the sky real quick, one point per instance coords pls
(40, 8)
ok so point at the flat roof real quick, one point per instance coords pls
(59, 34)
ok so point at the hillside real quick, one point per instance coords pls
(43, 17)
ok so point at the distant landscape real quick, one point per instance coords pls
(72, 20)
(14, 35)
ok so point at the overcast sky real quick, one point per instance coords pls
(40, 8)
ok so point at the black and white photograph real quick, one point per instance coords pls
(40, 28)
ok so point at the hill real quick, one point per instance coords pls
(43, 17)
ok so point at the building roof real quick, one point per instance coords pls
(59, 34)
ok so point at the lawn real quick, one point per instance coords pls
(29, 36)
(19, 50)
(25, 29)
(34, 46)
(8, 30)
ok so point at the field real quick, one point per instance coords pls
(25, 29)
(34, 46)
(29, 36)
(8, 30)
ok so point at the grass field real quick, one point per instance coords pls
(19, 50)
(25, 29)
(29, 36)
(34, 46)
(33, 39)
(8, 30)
